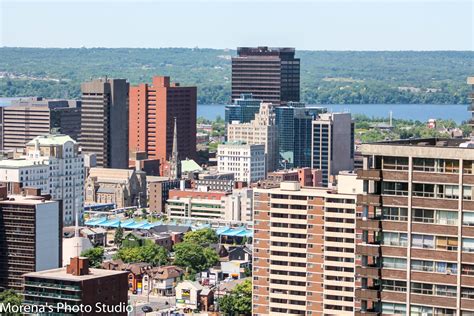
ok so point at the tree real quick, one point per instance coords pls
(201, 237)
(193, 257)
(238, 301)
(149, 253)
(95, 255)
(10, 296)
(118, 237)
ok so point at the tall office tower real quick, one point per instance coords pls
(417, 247)
(242, 109)
(261, 130)
(270, 74)
(294, 124)
(52, 164)
(470, 80)
(27, 118)
(104, 129)
(246, 162)
(304, 240)
(332, 148)
(77, 290)
(153, 109)
(30, 235)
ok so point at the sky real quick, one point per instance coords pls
(304, 24)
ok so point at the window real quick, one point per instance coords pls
(423, 216)
(467, 269)
(468, 244)
(467, 192)
(395, 188)
(467, 292)
(422, 164)
(395, 163)
(394, 239)
(423, 189)
(468, 218)
(445, 290)
(423, 241)
(416, 310)
(395, 214)
(447, 243)
(394, 285)
(448, 191)
(422, 265)
(391, 308)
(394, 263)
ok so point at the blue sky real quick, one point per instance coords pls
(304, 24)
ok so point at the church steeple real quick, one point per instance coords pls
(175, 165)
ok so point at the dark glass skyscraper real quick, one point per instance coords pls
(270, 74)
(293, 121)
(243, 109)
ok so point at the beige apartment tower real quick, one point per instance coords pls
(304, 240)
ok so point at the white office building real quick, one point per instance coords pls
(245, 161)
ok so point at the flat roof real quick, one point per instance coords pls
(60, 274)
(18, 163)
(28, 200)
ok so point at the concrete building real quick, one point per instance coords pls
(27, 118)
(210, 206)
(30, 239)
(78, 287)
(247, 162)
(270, 74)
(304, 261)
(242, 109)
(122, 187)
(417, 246)
(104, 121)
(332, 148)
(153, 109)
(261, 130)
(294, 124)
(52, 164)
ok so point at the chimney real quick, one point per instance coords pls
(78, 266)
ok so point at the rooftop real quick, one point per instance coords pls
(51, 139)
(20, 163)
(425, 142)
(60, 274)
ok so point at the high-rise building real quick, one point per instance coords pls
(242, 109)
(52, 164)
(417, 228)
(261, 130)
(30, 235)
(304, 240)
(104, 121)
(470, 80)
(77, 290)
(153, 109)
(332, 148)
(294, 124)
(27, 118)
(246, 162)
(270, 74)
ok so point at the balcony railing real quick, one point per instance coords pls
(367, 294)
(369, 199)
(370, 174)
(368, 250)
(369, 272)
(368, 224)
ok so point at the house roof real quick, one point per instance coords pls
(190, 165)
(167, 272)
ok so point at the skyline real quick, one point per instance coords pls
(317, 25)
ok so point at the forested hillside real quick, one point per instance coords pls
(327, 77)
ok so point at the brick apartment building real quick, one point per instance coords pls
(417, 228)
(153, 109)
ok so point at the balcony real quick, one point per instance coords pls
(370, 174)
(369, 272)
(368, 224)
(368, 250)
(367, 294)
(369, 199)
(369, 312)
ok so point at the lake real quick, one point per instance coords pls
(420, 112)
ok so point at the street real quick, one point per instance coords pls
(157, 303)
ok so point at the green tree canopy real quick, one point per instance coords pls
(118, 237)
(149, 253)
(193, 257)
(95, 255)
(238, 301)
(201, 237)
(10, 296)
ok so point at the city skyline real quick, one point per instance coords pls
(321, 25)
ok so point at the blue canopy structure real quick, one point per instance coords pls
(234, 232)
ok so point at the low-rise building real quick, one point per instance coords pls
(162, 280)
(307, 177)
(158, 192)
(247, 162)
(192, 295)
(122, 187)
(104, 292)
